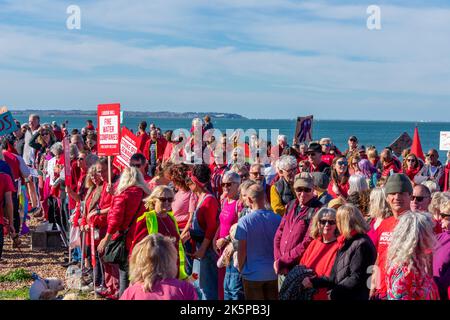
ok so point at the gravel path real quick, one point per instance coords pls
(44, 263)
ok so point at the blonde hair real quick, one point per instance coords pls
(436, 200)
(153, 259)
(156, 193)
(378, 206)
(348, 219)
(372, 153)
(131, 177)
(92, 171)
(445, 206)
(324, 212)
(412, 242)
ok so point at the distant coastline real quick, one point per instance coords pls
(155, 115)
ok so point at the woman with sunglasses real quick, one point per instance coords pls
(339, 184)
(159, 218)
(411, 166)
(230, 282)
(355, 254)
(321, 252)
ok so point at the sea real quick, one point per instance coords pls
(376, 133)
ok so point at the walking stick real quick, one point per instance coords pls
(93, 259)
(83, 248)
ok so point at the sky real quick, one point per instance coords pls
(265, 59)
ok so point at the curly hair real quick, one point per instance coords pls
(361, 200)
(436, 200)
(179, 173)
(153, 259)
(412, 242)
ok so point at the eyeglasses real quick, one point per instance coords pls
(418, 198)
(342, 163)
(301, 189)
(330, 222)
(162, 199)
(136, 165)
(227, 184)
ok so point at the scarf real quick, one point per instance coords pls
(341, 239)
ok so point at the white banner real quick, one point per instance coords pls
(444, 143)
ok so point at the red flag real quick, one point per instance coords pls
(416, 147)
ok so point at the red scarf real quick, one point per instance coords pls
(411, 173)
(341, 239)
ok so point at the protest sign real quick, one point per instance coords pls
(7, 124)
(444, 141)
(303, 130)
(108, 138)
(403, 142)
(128, 147)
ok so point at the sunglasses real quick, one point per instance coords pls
(301, 189)
(342, 163)
(44, 134)
(227, 184)
(170, 200)
(330, 222)
(81, 159)
(418, 198)
(444, 215)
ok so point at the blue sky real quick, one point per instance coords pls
(258, 58)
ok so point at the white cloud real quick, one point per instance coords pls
(246, 54)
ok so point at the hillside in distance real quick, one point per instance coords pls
(146, 114)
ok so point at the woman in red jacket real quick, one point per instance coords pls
(411, 166)
(339, 185)
(321, 252)
(126, 206)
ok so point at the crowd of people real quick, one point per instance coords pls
(304, 221)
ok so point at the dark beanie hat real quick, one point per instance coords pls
(398, 183)
(321, 180)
